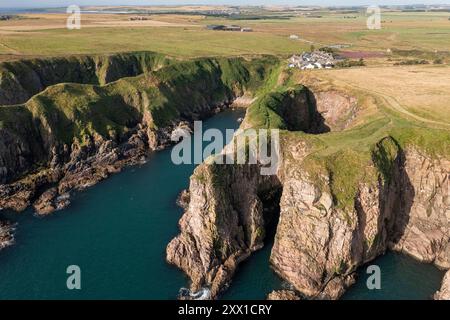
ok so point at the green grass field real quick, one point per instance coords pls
(174, 41)
(186, 35)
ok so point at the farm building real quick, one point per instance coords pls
(228, 28)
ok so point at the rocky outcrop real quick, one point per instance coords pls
(224, 223)
(184, 199)
(337, 109)
(283, 295)
(423, 231)
(338, 209)
(444, 292)
(319, 245)
(6, 234)
(51, 201)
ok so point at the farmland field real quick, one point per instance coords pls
(185, 35)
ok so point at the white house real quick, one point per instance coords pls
(318, 65)
(308, 66)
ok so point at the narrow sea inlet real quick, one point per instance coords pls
(117, 232)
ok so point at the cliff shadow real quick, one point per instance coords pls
(318, 123)
(271, 211)
(395, 200)
(400, 198)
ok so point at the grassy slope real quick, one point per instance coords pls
(74, 111)
(19, 80)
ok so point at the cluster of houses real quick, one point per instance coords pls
(313, 60)
(219, 27)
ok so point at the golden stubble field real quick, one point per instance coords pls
(34, 22)
(417, 93)
(421, 92)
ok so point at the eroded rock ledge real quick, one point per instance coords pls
(81, 166)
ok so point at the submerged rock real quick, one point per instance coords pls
(202, 294)
(6, 234)
(50, 201)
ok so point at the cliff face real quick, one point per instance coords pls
(223, 224)
(319, 244)
(340, 207)
(423, 227)
(71, 136)
(20, 80)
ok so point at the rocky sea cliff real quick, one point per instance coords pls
(335, 208)
(347, 188)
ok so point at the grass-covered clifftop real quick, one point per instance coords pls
(363, 153)
(20, 80)
(68, 112)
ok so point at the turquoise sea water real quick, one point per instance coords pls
(117, 232)
(401, 278)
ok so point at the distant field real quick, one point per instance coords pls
(184, 35)
(183, 42)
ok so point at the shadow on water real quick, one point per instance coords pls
(402, 278)
(254, 278)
